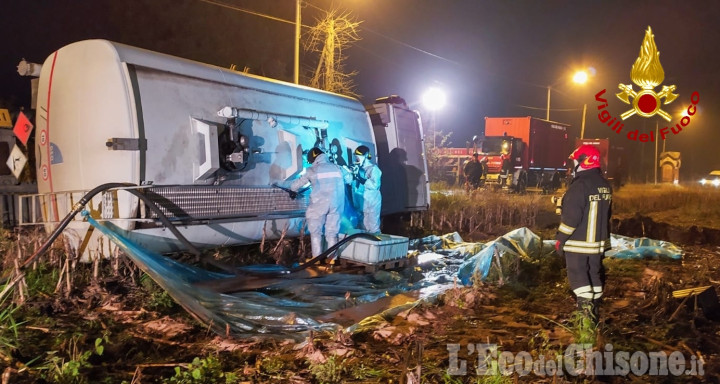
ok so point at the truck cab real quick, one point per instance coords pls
(525, 152)
(503, 154)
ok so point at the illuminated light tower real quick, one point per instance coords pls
(434, 100)
(581, 77)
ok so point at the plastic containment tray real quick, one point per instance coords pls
(366, 251)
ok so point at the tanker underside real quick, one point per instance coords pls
(202, 203)
(208, 216)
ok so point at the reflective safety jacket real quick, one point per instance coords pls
(585, 217)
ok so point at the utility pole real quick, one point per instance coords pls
(298, 24)
(582, 130)
(547, 115)
(655, 160)
(330, 38)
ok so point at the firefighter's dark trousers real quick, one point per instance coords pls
(585, 274)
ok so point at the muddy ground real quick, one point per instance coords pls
(120, 327)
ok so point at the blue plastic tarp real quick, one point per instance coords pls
(292, 306)
(286, 307)
(642, 248)
(523, 243)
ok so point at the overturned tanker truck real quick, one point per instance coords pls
(202, 144)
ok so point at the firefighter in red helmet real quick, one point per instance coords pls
(584, 232)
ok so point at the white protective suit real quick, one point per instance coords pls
(327, 200)
(366, 197)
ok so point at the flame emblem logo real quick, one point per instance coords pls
(647, 73)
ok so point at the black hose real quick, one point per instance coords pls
(88, 196)
(313, 261)
(329, 251)
(77, 208)
(169, 225)
(252, 279)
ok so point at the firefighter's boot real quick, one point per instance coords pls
(587, 308)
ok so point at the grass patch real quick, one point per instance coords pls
(684, 205)
(207, 370)
(158, 299)
(479, 213)
(624, 268)
(329, 372)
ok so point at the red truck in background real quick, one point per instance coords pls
(518, 152)
(524, 152)
(612, 157)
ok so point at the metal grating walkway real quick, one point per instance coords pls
(213, 202)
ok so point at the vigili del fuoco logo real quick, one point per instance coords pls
(646, 73)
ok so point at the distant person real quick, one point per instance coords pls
(506, 167)
(366, 189)
(327, 199)
(474, 172)
(584, 232)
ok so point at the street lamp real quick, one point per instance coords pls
(579, 77)
(433, 99)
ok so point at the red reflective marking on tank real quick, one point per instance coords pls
(47, 146)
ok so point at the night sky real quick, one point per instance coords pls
(492, 58)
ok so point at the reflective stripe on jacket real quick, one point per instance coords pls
(586, 210)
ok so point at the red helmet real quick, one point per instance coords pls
(587, 156)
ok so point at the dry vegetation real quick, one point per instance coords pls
(681, 205)
(483, 214)
(69, 322)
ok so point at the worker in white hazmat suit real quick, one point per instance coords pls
(366, 189)
(327, 199)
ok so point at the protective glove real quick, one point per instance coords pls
(293, 194)
(559, 248)
(360, 179)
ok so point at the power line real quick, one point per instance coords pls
(244, 10)
(239, 9)
(411, 47)
(552, 109)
